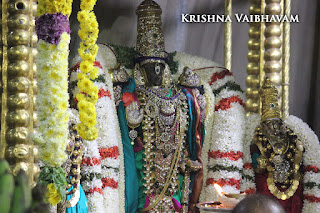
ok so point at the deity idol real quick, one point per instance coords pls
(162, 125)
(278, 150)
(161, 159)
(156, 111)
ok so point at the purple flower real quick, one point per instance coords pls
(49, 27)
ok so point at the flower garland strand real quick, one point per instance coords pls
(88, 96)
(100, 173)
(53, 30)
(311, 163)
(248, 181)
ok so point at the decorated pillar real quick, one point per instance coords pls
(269, 51)
(18, 54)
(228, 35)
(273, 46)
(285, 60)
(255, 58)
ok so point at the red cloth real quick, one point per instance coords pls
(292, 205)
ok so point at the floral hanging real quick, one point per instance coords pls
(53, 30)
(88, 96)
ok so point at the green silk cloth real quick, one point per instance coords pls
(131, 178)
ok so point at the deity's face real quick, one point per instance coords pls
(153, 71)
(274, 127)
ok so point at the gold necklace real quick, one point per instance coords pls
(274, 157)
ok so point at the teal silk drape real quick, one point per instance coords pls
(131, 178)
(82, 205)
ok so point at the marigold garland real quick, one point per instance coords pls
(88, 96)
(54, 6)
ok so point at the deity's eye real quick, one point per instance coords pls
(275, 126)
(188, 71)
(157, 69)
(272, 105)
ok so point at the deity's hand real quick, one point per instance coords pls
(134, 114)
(190, 165)
(262, 165)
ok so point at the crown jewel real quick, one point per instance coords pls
(150, 40)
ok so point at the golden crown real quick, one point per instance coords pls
(150, 40)
(269, 99)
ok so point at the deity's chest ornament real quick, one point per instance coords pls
(164, 124)
(281, 155)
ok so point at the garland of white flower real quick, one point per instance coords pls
(109, 145)
(109, 61)
(52, 100)
(208, 123)
(248, 182)
(311, 202)
(52, 104)
(91, 151)
(227, 128)
(91, 165)
(110, 140)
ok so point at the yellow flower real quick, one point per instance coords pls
(83, 16)
(90, 110)
(88, 50)
(87, 4)
(93, 98)
(82, 105)
(45, 156)
(92, 133)
(86, 66)
(57, 2)
(63, 106)
(81, 97)
(83, 34)
(54, 76)
(81, 76)
(92, 122)
(84, 84)
(83, 116)
(94, 24)
(94, 50)
(42, 46)
(52, 195)
(93, 89)
(94, 73)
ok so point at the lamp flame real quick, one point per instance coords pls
(219, 189)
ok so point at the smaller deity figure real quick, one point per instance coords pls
(277, 155)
